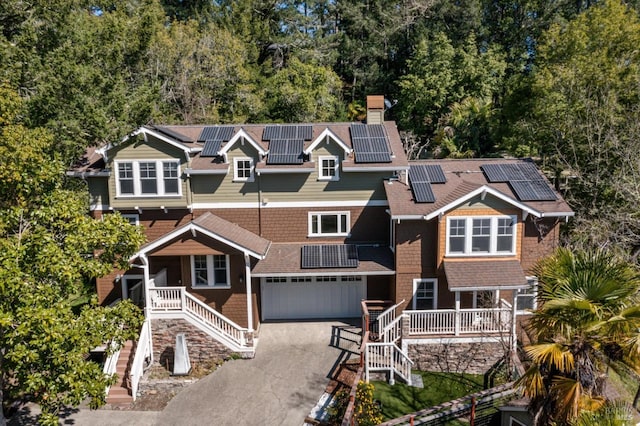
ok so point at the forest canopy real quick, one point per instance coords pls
(556, 81)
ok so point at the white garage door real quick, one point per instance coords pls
(312, 297)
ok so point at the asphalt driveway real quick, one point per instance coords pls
(279, 386)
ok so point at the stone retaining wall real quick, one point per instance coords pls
(201, 346)
(474, 358)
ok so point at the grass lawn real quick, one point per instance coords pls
(400, 399)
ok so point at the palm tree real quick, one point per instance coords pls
(588, 306)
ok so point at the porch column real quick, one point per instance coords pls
(514, 307)
(457, 320)
(247, 280)
(146, 279)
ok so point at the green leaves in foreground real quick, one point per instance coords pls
(50, 250)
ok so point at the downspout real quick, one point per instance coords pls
(247, 280)
(259, 204)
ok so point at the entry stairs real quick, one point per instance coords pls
(385, 355)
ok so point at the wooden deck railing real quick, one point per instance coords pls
(177, 299)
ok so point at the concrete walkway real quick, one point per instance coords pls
(279, 386)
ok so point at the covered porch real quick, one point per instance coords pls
(201, 273)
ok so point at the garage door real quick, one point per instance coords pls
(312, 297)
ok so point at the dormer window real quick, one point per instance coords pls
(328, 168)
(243, 169)
(481, 235)
(143, 178)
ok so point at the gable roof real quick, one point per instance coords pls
(219, 229)
(146, 131)
(328, 133)
(242, 134)
(465, 180)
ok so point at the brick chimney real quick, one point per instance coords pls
(375, 109)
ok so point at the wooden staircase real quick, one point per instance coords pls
(120, 393)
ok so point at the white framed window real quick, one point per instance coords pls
(133, 218)
(148, 178)
(243, 169)
(125, 178)
(527, 299)
(329, 224)
(425, 293)
(328, 167)
(211, 270)
(481, 235)
(170, 177)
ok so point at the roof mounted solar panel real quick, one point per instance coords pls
(173, 134)
(376, 130)
(287, 131)
(370, 143)
(508, 172)
(431, 173)
(211, 148)
(494, 173)
(329, 256)
(422, 192)
(421, 176)
(285, 151)
(216, 133)
(533, 190)
(359, 131)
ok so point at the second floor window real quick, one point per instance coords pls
(148, 178)
(328, 168)
(243, 169)
(329, 224)
(481, 235)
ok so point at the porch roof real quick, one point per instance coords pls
(285, 260)
(219, 229)
(466, 275)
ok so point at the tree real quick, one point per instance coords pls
(440, 75)
(588, 304)
(581, 115)
(49, 250)
(303, 93)
(202, 75)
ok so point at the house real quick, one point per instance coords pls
(251, 223)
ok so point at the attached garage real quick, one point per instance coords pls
(306, 297)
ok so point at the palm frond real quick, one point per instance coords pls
(531, 383)
(568, 394)
(554, 355)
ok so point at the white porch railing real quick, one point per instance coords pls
(387, 357)
(456, 322)
(178, 300)
(111, 363)
(390, 324)
(392, 333)
(143, 351)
